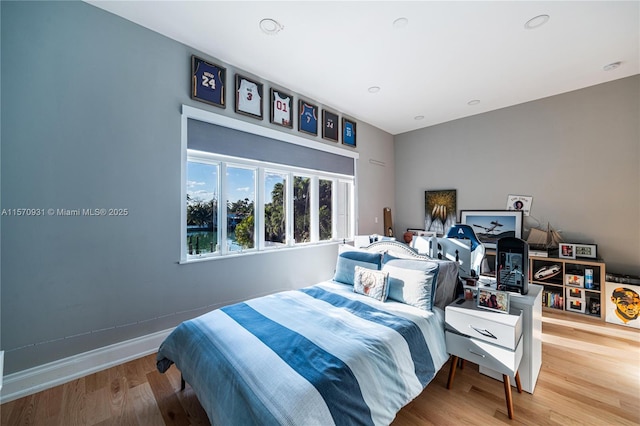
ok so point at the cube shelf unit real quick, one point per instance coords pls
(567, 286)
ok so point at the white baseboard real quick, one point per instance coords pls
(36, 379)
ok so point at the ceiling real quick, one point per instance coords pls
(446, 54)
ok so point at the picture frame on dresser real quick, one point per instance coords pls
(493, 300)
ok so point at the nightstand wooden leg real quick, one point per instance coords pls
(452, 371)
(507, 394)
(518, 382)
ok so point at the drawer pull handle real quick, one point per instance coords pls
(486, 333)
(476, 353)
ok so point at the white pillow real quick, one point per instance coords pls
(371, 283)
(412, 281)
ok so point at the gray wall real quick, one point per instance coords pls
(577, 154)
(91, 119)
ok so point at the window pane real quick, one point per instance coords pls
(202, 207)
(301, 209)
(326, 187)
(275, 229)
(240, 192)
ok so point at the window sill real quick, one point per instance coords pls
(206, 258)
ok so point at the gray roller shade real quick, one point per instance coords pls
(222, 140)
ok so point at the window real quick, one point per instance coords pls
(240, 195)
(275, 207)
(249, 189)
(311, 207)
(202, 207)
(325, 213)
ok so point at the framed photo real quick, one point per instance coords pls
(586, 250)
(281, 108)
(348, 132)
(307, 118)
(248, 97)
(575, 305)
(329, 125)
(491, 225)
(440, 210)
(519, 202)
(574, 280)
(208, 82)
(617, 299)
(575, 293)
(493, 300)
(567, 251)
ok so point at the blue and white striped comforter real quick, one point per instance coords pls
(321, 355)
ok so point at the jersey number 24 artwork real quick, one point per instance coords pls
(208, 82)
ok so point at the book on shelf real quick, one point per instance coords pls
(538, 253)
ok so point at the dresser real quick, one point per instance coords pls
(490, 339)
(531, 306)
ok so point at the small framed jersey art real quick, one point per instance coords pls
(348, 132)
(208, 82)
(281, 108)
(248, 97)
(307, 118)
(330, 126)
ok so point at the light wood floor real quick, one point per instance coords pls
(590, 376)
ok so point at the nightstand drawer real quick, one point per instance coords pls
(484, 354)
(493, 327)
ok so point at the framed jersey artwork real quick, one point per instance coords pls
(307, 118)
(348, 132)
(208, 82)
(329, 125)
(248, 97)
(281, 108)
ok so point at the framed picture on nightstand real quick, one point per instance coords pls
(493, 300)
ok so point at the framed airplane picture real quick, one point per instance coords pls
(491, 225)
(348, 132)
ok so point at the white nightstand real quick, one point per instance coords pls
(489, 339)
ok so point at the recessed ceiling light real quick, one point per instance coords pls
(473, 102)
(400, 23)
(536, 22)
(373, 89)
(418, 117)
(611, 66)
(270, 26)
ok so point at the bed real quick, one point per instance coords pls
(346, 351)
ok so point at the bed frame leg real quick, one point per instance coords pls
(182, 383)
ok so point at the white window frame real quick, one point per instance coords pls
(223, 160)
